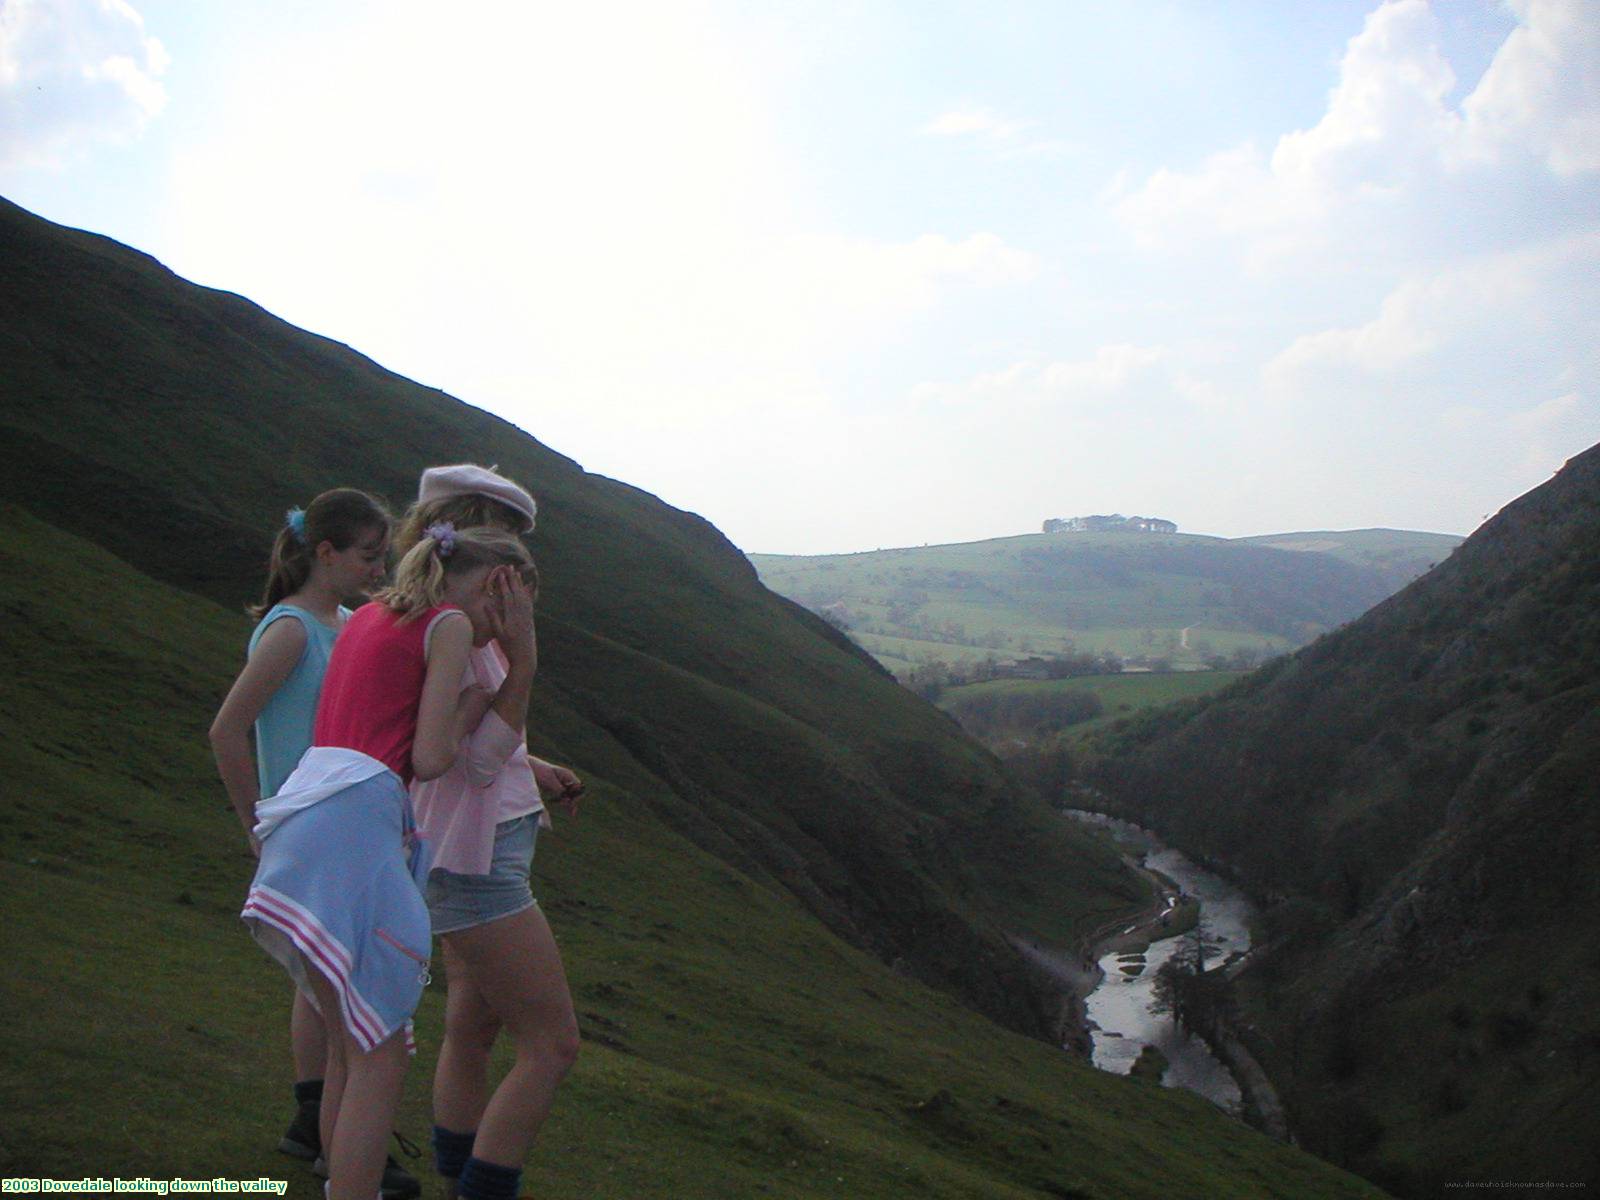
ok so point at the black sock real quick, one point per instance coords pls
(308, 1091)
(451, 1151)
(486, 1181)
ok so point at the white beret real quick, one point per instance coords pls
(465, 479)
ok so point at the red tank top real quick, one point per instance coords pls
(373, 686)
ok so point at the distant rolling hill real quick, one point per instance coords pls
(1180, 598)
(1417, 795)
(1396, 555)
(784, 907)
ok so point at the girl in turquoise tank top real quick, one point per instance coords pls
(333, 551)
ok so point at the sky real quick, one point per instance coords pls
(857, 275)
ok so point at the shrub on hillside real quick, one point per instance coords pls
(990, 714)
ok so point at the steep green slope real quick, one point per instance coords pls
(1419, 789)
(171, 423)
(733, 1046)
(1180, 597)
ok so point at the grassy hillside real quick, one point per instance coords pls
(732, 1045)
(747, 723)
(1180, 597)
(783, 851)
(1417, 790)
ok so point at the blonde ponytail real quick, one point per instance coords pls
(444, 551)
(465, 511)
(418, 581)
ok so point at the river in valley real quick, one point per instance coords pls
(1122, 1010)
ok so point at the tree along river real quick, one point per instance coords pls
(1122, 1009)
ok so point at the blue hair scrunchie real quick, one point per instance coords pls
(295, 521)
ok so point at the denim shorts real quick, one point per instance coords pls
(457, 902)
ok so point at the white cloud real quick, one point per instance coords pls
(1407, 327)
(1007, 138)
(1111, 369)
(811, 293)
(1467, 387)
(1525, 445)
(1533, 308)
(980, 122)
(599, 239)
(1232, 193)
(1544, 432)
(1392, 168)
(1542, 92)
(1112, 373)
(73, 73)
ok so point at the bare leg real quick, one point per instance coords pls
(308, 1039)
(334, 1066)
(461, 1077)
(359, 1098)
(371, 1097)
(514, 975)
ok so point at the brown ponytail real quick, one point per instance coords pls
(340, 517)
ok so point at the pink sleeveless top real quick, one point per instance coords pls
(373, 685)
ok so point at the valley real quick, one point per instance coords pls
(795, 902)
(786, 908)
(1412, 797)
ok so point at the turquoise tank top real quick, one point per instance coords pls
(283, 730)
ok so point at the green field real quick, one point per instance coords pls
(900, 654)
(1119, 695)
(1181, 599)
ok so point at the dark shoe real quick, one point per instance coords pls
(302, 1139)
(397, 1183)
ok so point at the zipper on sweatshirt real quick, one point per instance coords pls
(425, 977)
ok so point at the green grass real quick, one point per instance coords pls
(733, 1045)
(1127, 691)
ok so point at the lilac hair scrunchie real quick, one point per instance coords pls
(444, 533)
(295, 521)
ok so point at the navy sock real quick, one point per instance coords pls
(485, 1181)
(451, 1151)
(308, 1091)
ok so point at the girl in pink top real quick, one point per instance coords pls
(335, 897)
(483, 816)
